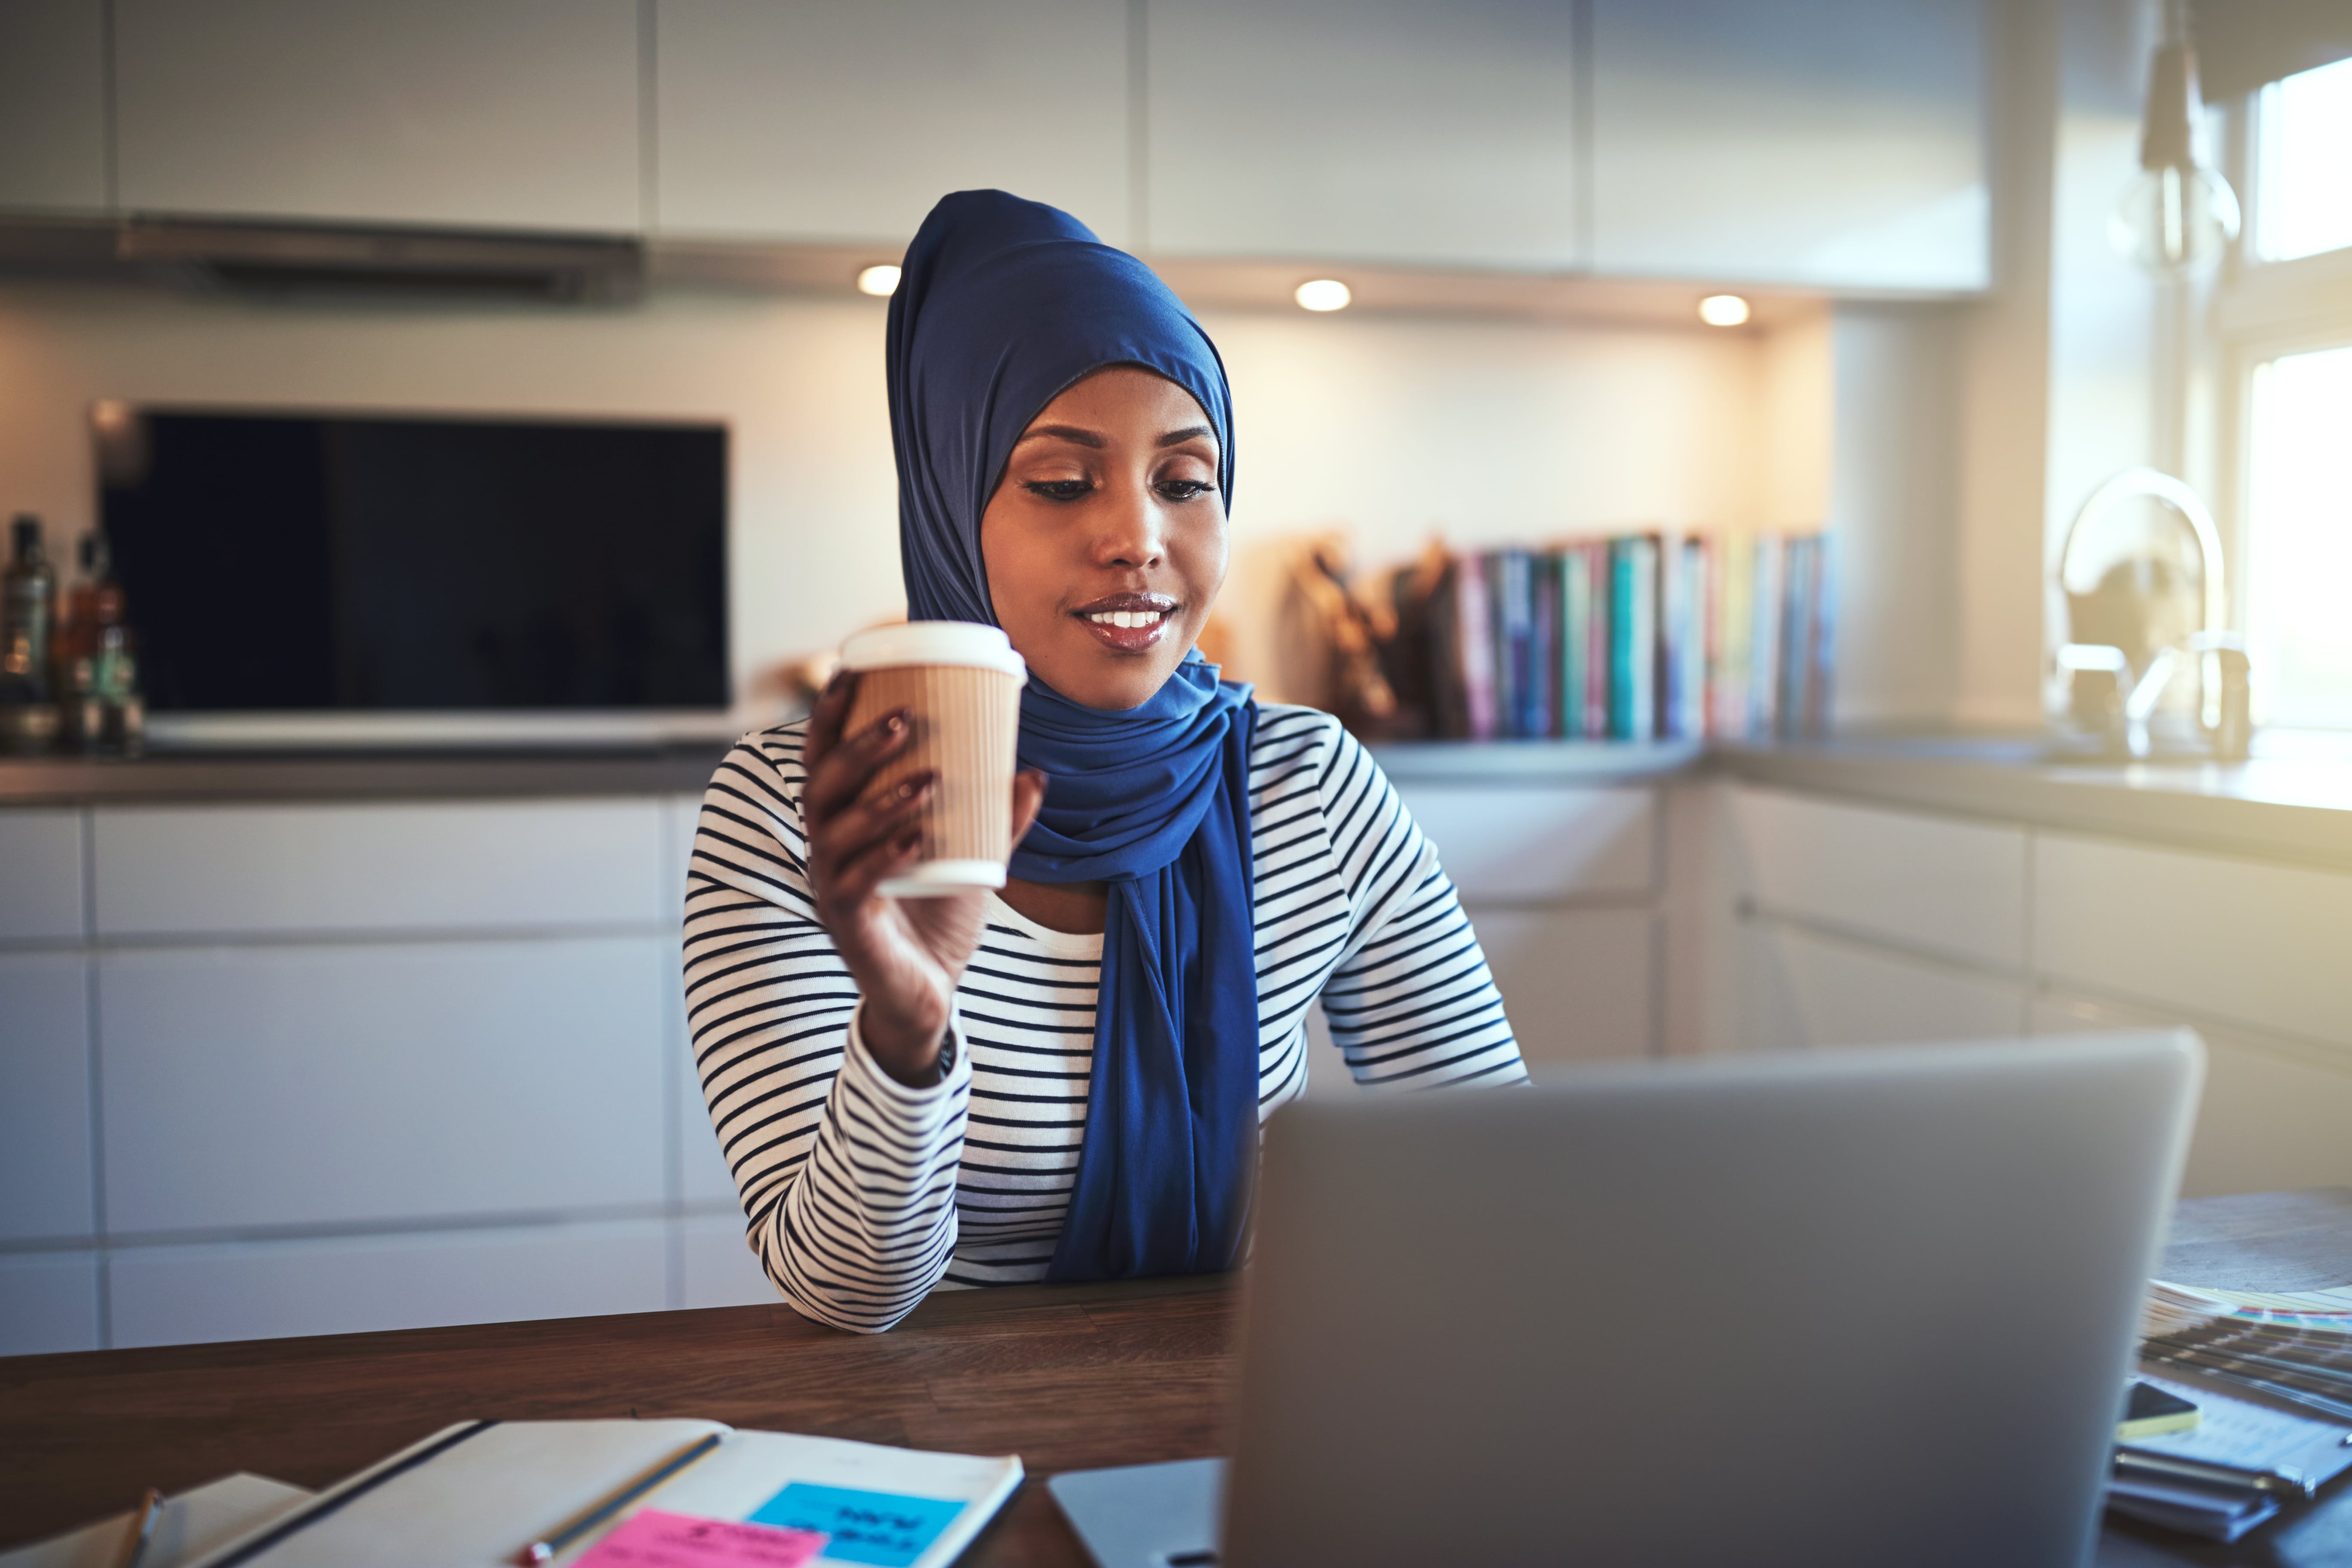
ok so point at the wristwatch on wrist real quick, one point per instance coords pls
(947, 1056)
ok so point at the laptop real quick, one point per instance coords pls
(1848, 1309)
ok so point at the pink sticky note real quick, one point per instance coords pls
(652, 1539)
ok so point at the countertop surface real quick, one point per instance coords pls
(197, 777)
(2278, 805)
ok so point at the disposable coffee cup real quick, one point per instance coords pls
(961, 684)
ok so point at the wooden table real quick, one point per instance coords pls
(1067, 1376)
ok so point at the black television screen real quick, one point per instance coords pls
(352, 563)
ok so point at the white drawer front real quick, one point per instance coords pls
(40, 867)
(49, 1302)
(185, 1295)
(2270, 1119)
(1801, 992)
(1532, 844)
(719, 1269)
(198, 870)
(1577, 984)
(2264, 944)
(44, 1166)
(1930, 881)
(329, 1084)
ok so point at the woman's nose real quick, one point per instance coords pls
(1130, 530)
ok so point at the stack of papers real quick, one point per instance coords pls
(2173, 1308)
(2231, 1472)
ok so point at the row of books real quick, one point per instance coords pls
(1642, 637)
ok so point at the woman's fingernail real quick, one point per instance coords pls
(894, 724)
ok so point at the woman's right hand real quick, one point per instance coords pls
(906, 954)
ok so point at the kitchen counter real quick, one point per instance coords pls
(2297, 808)
(188, 777)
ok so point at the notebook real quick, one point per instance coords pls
(478, 1492)
(192, 1522)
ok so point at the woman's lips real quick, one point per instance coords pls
(1128, 622)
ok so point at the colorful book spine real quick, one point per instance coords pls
(1690, 652)
(1767, 595)
(1735, 577)
(1543, 657)
(1475, 647)
(1634, 636)
(1575, 565)
(1602, 641)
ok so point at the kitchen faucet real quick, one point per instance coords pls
(2115, 688)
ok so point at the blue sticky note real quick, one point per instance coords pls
(884, 1528)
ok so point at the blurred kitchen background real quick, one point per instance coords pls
(1834, 510)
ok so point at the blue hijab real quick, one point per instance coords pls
(1003, 304)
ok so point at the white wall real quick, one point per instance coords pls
(1393, 426)
(1893, 478)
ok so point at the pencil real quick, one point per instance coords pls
(143, 1525)
(579, 1524)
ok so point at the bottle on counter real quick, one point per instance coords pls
(96, 674)
(28, 589)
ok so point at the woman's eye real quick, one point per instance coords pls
(1184, 489)
(1059, 489)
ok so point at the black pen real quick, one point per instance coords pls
(579, 1524)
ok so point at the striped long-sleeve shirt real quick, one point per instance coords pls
(862, 1194)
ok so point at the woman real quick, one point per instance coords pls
(1065, 1081)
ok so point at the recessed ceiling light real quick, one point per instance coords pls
(1323, 294)
(1723, 310)
(879, 280)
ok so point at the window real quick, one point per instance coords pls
(2299, 560)
(2284, 314)
(2302, 158)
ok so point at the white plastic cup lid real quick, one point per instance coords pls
(934, 642)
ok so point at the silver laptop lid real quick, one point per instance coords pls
(1857, 1308)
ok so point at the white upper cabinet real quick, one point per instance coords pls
(805, 120)
(53, 104)
(1832, 144)
(1375, 130)
(494, 113)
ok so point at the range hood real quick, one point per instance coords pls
(302, 258)
(299, 258)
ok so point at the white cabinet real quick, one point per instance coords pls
(1561, 884)
(1831, 143)
(41, 866)
(845, 123)
(2274, 1114)
(309, 1085)
(53, 105)
(718, 1267)
(2242, 940)
(45, 1121)
(1534, 842)
(504, 113)
(1578, 984)
(1799, 991)
(1381, 130)
(49, 1302)
(306, 869)
(180, 1295)
(1929, 882)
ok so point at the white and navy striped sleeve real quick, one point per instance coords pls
(847, 1176)
(1411, 1003)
